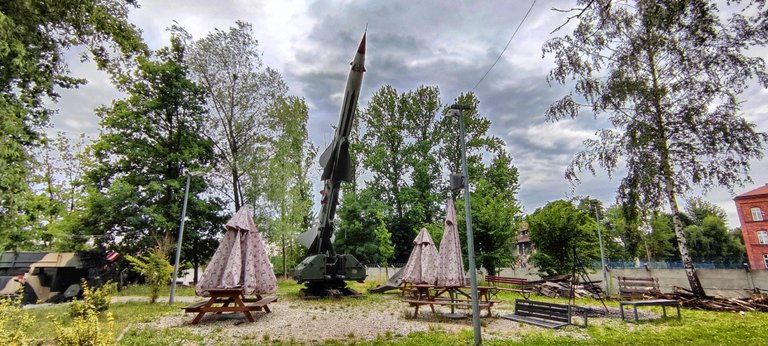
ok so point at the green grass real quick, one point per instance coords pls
(143, 290)
(124, 314)
(696, 327)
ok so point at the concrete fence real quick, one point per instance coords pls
(725, 282)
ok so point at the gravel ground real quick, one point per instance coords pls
(315, 321)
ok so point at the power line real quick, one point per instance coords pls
(505, 47)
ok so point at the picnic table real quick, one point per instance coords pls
(655, 302)
(457, 297)
(230, 300)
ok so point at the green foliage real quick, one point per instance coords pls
(155, 269)
(150, 140)
(86, 330)
(34, 36)
(699, 209)
(240, 91)
(386, 247)
(622, 237)
(711, 239)
(495, 214)
(660, 243)
(14, 322)
(668, 75)
(361, 214)
(555, 229)
(478, 141)
(287, 184)
(95, 300)
(408, 141)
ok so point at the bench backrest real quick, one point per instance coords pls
(505, 280)
(632, 287)
(542, 310)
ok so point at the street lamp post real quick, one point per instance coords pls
(602, 252)
(459, 111)
(181, 236)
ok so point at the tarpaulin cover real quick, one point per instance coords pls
(241, 260)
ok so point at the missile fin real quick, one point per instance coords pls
(326, 155)
(308, 237)
(344, 164)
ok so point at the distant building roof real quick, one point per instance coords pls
(760, 191)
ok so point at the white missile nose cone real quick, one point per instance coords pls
(361, 47)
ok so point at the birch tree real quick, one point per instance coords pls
(668, 75)
(239, 90)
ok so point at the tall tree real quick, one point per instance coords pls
(421, 109)
(711, 240)
(555, 229)
(387, 153)
(288, 188)
(668, 74)
(361, 214)
(239, 90)
(148, 141)
(698, 209)
(622, 236)
(34, 36)
(495, 213)
(478, 142)
(57, 191)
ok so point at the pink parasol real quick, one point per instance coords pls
(421, 267)
(450, 271)
(240, 260)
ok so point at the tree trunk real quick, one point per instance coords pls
(285, 265)
(235, 188)
(667, 174)
(690, 271)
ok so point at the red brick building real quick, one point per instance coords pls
(752, 207)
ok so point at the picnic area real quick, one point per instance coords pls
(382, 319)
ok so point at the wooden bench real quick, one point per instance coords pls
(519, 285)
(655, 302)
(543, 314)
(638, 288)
(221, 299)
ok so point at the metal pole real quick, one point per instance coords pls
(602, 251)
(178, 243)
(470, 237)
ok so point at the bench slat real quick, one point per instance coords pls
(537, 322)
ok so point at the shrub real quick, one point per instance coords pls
(95, 300)
(13, 322)
(85, 330)
(155, 268)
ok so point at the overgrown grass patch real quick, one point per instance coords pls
(135, 321)
(143, 290)
(124, 314)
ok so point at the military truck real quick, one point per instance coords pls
(54, 276)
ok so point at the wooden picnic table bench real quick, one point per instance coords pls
(638, 288)
(654, 302)
(430, 295)
(229, 300)
(543, 314)
(519, 285)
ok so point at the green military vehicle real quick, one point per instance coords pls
(53, 276)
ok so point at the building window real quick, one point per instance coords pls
(762, 237)
(757, 214)
(765, 259)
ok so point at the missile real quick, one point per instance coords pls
(335, 160)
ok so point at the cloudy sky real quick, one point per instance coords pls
(410, 43)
